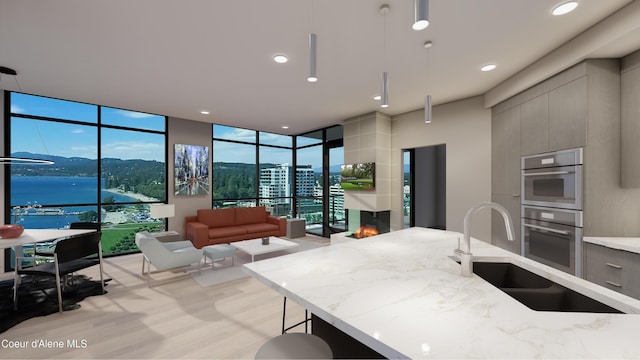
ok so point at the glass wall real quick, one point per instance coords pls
(319, 198)
(251, 167)
(109, 166)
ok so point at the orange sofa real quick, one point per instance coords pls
(218, 226)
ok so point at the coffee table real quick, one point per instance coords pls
(254, 247)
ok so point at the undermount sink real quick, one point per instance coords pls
(535, 291)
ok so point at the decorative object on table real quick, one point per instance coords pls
(191, 170)
(162, 211)
(11, 231)
(265, 241)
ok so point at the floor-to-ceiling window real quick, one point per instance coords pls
(319, 198)
(252, 167)
(110, 164)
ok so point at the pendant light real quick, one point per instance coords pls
(427, 98)
(384, 100)
(16, 160)
(421, 14)
(313, 43)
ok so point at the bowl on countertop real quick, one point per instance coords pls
(10, 231)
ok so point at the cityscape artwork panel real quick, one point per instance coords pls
(191, 170)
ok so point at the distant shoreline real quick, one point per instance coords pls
(130, 194)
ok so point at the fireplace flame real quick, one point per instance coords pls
(365, 231)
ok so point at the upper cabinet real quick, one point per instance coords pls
(630, 121)
(535, 125)
(568, 115)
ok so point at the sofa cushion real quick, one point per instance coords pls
(226, 231)
(251, 215)
(215, 218)
(258, 228)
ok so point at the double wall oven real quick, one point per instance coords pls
(552, 209)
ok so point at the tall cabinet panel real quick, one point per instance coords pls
(506, 174)
(630, 123)
(568, 115)
(535, 125)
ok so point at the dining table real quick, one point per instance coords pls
(34, 236)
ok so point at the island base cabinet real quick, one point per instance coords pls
(342, 345)
(614, 269)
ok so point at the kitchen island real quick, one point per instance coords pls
(402, 295)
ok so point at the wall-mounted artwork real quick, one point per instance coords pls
(191, 170)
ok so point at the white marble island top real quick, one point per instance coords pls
(400, 294)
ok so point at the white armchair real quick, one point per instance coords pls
(165, 256)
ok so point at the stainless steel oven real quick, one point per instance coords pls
(553, 237)
(553, 179)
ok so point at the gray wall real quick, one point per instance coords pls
(430, 186)
(190, 132)
(465, 127)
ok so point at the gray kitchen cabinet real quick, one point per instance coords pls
(505, 169)
(505, 152)
(629, 124)
(614, 269)
(568, 115)
(534, 125)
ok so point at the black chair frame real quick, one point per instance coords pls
(70, 255)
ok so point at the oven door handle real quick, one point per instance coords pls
(547, 173)
(561, 232)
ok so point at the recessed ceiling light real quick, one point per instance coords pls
(488, 67)
(377, 97)
(205, 112)
(564, 8)
(280, 59)
(285, 126)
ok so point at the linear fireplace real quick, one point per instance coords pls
(362, 223)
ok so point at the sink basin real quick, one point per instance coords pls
(535, 291)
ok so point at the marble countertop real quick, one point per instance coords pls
(400, 294)
(631, 244)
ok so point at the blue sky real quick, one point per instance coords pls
(68, 140)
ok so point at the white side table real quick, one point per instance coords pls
(166, 236)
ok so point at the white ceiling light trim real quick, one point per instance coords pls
(280, 58)
(564, 8)
(420, 14)
(488, 67)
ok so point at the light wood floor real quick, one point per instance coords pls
(176, 320)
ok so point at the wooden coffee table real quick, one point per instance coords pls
(254, 247)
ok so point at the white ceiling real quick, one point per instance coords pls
(179, 57)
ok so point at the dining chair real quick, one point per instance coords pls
(70, 255)
(74, 225)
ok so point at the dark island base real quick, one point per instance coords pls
(342, 345)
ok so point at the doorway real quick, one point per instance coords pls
(425, 186)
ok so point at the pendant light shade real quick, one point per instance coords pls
(384, 100)
(427, 109)
(313, 39)
(421, 14)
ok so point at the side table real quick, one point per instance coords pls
(166, 236)
(296, 228)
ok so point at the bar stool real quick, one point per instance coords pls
(295, 346)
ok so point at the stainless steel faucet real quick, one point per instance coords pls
(464, 253)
